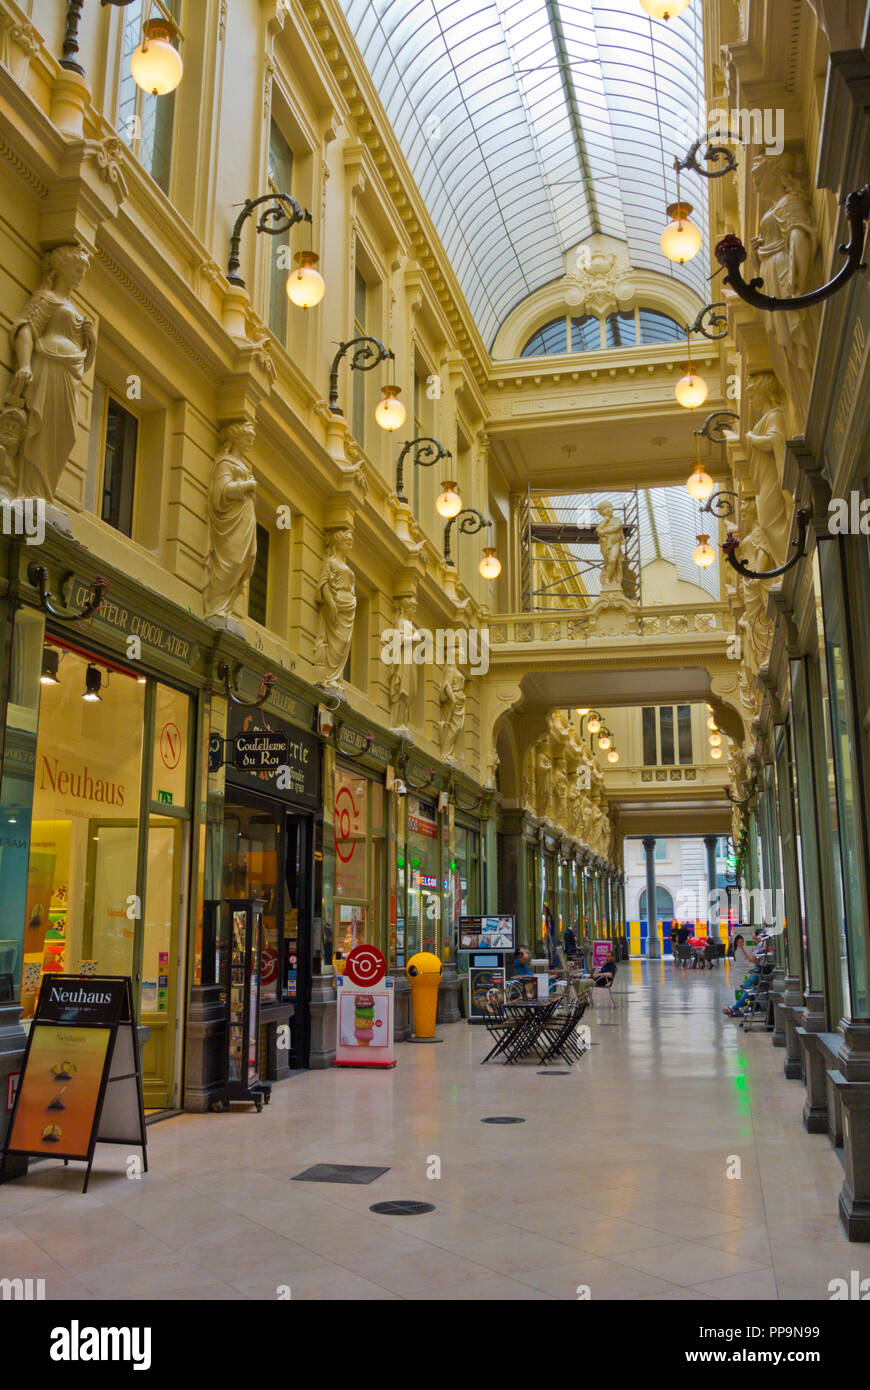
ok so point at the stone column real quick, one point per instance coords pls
(710, 843)
(652, 940)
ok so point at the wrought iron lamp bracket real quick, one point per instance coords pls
(712, 152)
(717, 320)
(470, 521)
(230, 677)
(38, 576)
(719, 505)
(713, 427)
(731, 253)
(368, 352)
(282, 213)
(729, 549)
(426, 452)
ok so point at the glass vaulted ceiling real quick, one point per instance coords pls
(531, 124)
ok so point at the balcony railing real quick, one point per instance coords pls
(659, 621)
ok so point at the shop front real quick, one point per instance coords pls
(272, 794)
(96, 809)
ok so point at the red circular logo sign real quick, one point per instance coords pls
(170, 745)
(365, 965)
(346, 825)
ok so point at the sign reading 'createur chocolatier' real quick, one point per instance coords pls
(268, 755)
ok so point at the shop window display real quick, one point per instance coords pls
(359, 833)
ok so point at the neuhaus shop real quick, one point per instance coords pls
(95, 808)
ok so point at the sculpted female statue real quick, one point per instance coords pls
(402, 685)
(452, 701)
(766, 442)
(53, 346)
(784, 249)
(232, 521)
(336, 599)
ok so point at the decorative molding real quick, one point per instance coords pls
(21, 169)
(108, 157)
(169, 326)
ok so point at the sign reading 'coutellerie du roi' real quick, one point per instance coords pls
(268, 755)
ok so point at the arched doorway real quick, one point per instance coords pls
(664, 914)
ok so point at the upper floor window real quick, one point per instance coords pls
(590, 333)
(667, 735)
(119, 467)
(145, 122)
(280, 179)
(258, 589)
(360, 319)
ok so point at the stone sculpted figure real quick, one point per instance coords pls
(452, 700)
(543, 768)
(611, 539)
(336, 600)
(766, 441)
(402, 684)
(784, 250)
(232, 521)
(13, 423)
(560, 795)
(53, 346)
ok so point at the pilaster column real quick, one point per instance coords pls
(652, 939)
(710, 843)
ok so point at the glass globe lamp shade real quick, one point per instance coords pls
(715, 754)
(699, 484)
(715, 740)
(594, 724)
(490, 564)
(703, 554)
(681, 239)
(390, 412)
(156, 65)
(305, 285)
(604, 742)
(581, 712)
(613, 756)
(663, 9)
(712, 725)
(448, 503)
(691, 390)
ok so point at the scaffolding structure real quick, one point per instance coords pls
(560, 557)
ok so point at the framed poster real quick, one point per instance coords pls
(482, 982)
(491, 933)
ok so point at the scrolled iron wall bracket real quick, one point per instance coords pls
(230, 677)
(719, 505)
(368, 352)
(282, 213)
(38, 576)
(731, 253)
(717, 320)
(426, 452)
(470, 522)
(713, 427)
(712, 153)
(368, 740)
(729, 548)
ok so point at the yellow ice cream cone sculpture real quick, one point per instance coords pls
(424, 972)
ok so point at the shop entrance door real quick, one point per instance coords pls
(268, 852)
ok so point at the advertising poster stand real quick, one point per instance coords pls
(488, 940)
(365, 1015)
(599, 953)
(81, 1081)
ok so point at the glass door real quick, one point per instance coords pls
(159, 964)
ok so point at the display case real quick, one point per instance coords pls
(239, 955)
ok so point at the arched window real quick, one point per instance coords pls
(658, 328)
(552, 337)
(664, 905)
(588, 333)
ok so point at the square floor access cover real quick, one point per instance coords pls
(340, 1172)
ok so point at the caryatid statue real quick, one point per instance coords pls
(336, 602)
(402, 683)
(766, 440)
(452, 700)
(53, 345)
(232, 521)
(611, 538)
(784, 250)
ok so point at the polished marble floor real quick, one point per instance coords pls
(617, 1183)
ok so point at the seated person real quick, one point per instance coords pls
(605, 973)
(522, 961)
(745, 959)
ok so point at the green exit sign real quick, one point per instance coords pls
(165, 797)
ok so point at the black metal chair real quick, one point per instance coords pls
(682, 955)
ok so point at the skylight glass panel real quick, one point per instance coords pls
(546, 120)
